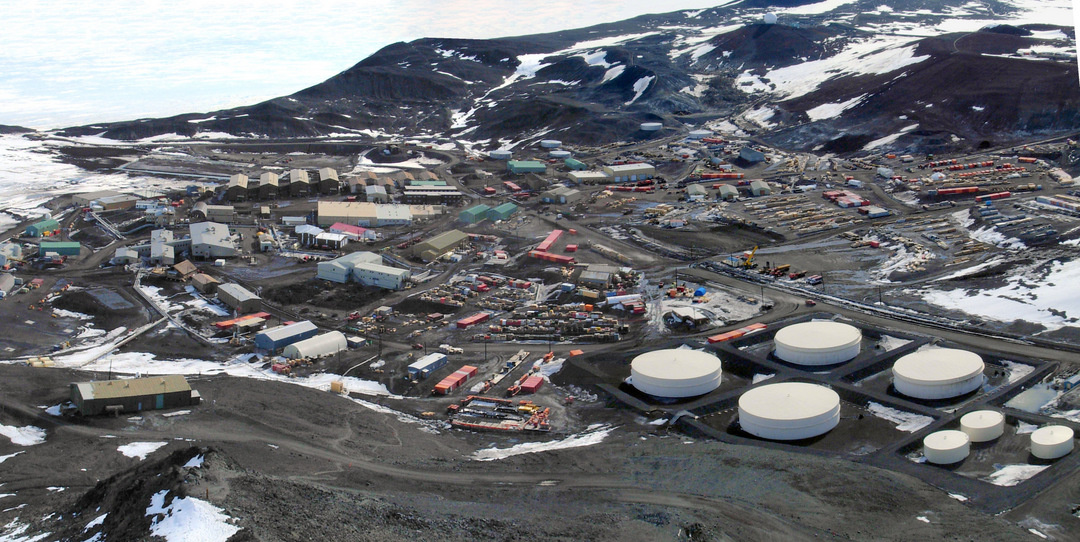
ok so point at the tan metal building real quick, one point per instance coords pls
(328, 181)
(133, 395)
(299, 184)
(237, 189)
(435, 247)
(268, 185)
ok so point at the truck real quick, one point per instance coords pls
(447, 349)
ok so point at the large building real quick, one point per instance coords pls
(268, 185)
(45, 228)
(317, 346)
(502, 212)
(85, 198)
(560, 194)
(363, 213)
(212, 240)
(299, 183)
(376, 194)
(237, 189)
(115, 203)
(589, 177)
(472, 215)
(431, 195)
(133, 395)
(434, 248)
(365, 268)
(62, 248)
(279, 337)
(630, 172)
(328, 181)
(238, 298)
(759, 187)
(354, 233)
(213, 213)
(518, 167)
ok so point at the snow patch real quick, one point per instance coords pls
(1011, 475)
(27, 435)
(832, 110)
(188, 518)
(905, 421)
(640, 86)
(889, 139)
(593, 435)
(140, 450)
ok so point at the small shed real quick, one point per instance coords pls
(204, 283)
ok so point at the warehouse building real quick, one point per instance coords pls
(237, 189)
(268, 185)
(133, 395)
(317, 346)
(751, 156)
(575, 165)
(63, 248)
(276, 338)
(328, 181)
(473, 215)
(299, 184)
(431, 195)
(502, 212)
(238, 298)
(728, 192)
(354, 233)
(696, 192)
(9, 252)
(340, 269)
(760, 188)
(306, 234)
(45, 228)
(115, 203)
(428, 183)
(331, 241)
(589, 177)
(561, 194)
(7, 282)
(517, 167)
(212, 240)
(630, 172)
(434, 248)
(426, 175)
(85, 198)
(380, 276)
(213, 213)
(360, 180)
(204, 283)
(364, 213)
(425, 212)
(376, 194)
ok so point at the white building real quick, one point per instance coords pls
(630, 172)
(212, 240)
(364, 267)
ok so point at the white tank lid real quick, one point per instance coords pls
(982, 419)
(1052, 435)
(947, 440)
(938, 366)
(789, 401)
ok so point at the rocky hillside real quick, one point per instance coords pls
(850, 77)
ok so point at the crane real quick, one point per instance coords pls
(749, 262)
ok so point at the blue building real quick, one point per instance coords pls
(279, 337)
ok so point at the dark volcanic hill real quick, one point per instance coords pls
(836, 80)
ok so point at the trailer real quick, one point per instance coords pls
(454, 380)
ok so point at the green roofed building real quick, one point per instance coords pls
(43, 228)
(575, 165)
(434, 248)
(427, 183)
(518, 167)
(502, 212)
(472, 215)
(63, 248)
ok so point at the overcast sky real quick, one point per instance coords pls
(65, 63)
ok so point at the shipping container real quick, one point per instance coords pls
(550, 240)
(477, 318)
(455, 380)
(532, 384)
(423, 367)
(556, 258)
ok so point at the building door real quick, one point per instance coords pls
(159, 401)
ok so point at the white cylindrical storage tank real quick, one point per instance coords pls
(651, 126)
(818, 343)
(946, 447)
(1052, 442)
(550, 143)
(500, 155)
(938, 373)
(983, 425)
(675, 373)
(789, 411)
(560, 154)
(319, 345)
(698, 134)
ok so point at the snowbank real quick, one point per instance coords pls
(905, 421)
(140, 449)
(592, 435)
(188, 518)
(1011, 475)
(23, 436)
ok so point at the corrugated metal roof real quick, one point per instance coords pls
(284, 332)
(237, 292)
(112, 389)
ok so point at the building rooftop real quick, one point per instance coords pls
(112, 389)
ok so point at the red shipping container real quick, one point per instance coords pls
(532, 384)
(571, 248)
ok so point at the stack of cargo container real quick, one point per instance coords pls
(477, 318)
(735, 334)
(455, 380)
(550, 240)
(990, 197)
